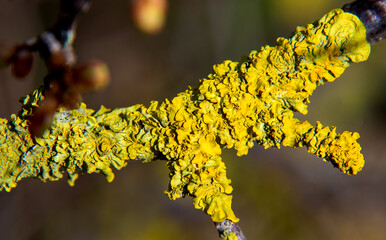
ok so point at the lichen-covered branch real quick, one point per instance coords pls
(238, 105)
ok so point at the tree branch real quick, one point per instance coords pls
(239, 104)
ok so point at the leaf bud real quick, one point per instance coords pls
(22, 63)
(89, 76)
(149, 15)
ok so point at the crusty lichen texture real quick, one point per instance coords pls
(239, 104)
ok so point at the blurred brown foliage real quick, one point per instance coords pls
(278, 194)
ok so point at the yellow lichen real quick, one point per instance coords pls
(229, 236)
(234, 107)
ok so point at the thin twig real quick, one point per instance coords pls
(226, 228)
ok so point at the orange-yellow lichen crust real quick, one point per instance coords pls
(234, 107)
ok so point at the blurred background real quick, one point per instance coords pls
(278, 194)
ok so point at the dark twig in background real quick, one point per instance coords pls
(64, 81)
(55, 47)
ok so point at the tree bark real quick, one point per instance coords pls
(373, 15)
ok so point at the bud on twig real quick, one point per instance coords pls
(89, 76)
(149, 15)
(22, 62)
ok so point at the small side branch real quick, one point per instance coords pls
(228, 230)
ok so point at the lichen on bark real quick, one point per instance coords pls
(238, 105)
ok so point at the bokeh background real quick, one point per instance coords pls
(278, 193)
